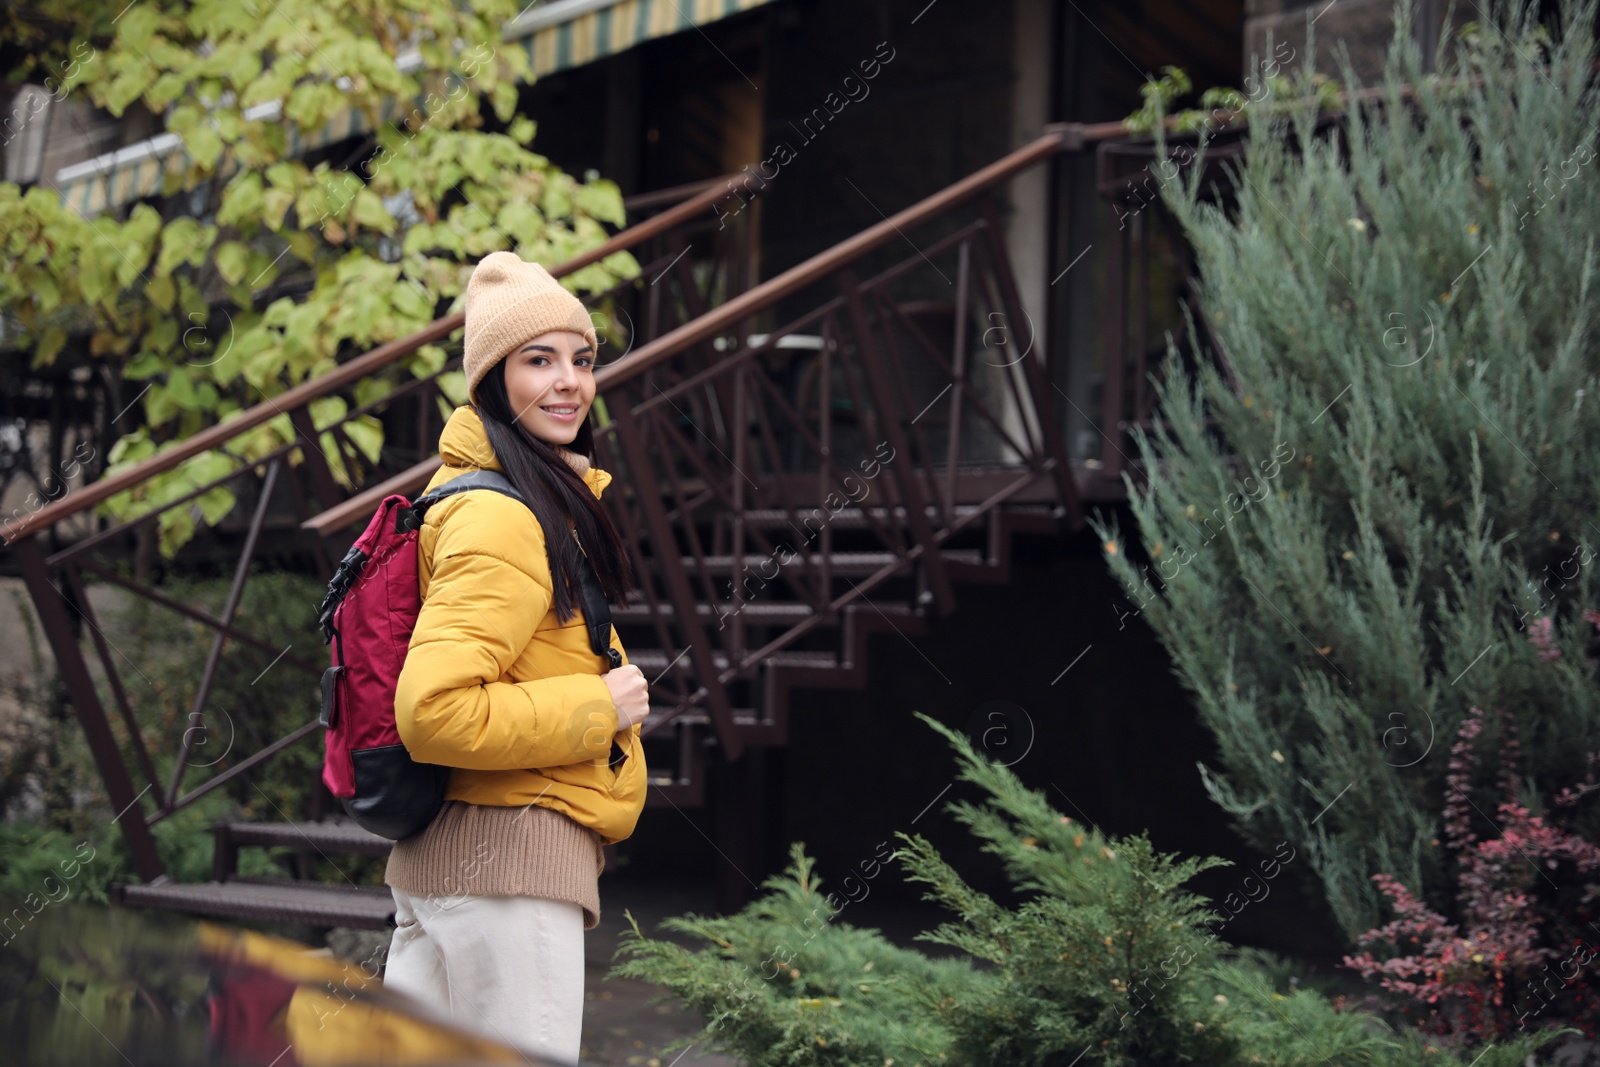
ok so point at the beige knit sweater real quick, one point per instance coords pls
(476, 850)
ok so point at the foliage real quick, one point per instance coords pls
(1107, 960)
(1515, 895)
(82, 855)
(36, 41)
(1388, 479)
(56, 809)
(260, 267)
(47, 865)
(1268, 93)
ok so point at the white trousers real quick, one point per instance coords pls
(509, 968)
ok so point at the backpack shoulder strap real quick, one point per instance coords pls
(596, 609)
(411, 518)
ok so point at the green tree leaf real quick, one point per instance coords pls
(369, 211)
(204, 146)
(232, 258)
(367, 435)
(602, 200)
(242, 200)
(51, 341)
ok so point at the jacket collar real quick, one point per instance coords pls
(465, 445)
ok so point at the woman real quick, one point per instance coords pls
(501, 684)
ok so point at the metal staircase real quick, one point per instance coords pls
(799, 464)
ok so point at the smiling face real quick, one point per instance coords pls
(550, 383)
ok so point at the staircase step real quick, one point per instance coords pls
(678, 795)
(844, 518)
(268, 900)
(845, 564)
(1031, 516)
(341, 836)
(652, 661)
(657, 721)
(755, 613)
(701, 717)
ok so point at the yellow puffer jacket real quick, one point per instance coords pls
(493, 684)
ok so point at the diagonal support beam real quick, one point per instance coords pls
(241, 572)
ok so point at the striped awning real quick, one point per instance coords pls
(556, 35)
(571, 33)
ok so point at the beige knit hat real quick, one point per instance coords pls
(510, 302)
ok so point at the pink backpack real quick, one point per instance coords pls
(367, 616)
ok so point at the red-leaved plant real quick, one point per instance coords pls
(1513, 962)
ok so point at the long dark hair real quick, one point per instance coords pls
(558, 494)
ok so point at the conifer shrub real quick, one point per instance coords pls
(780, 983)
(1106, 960)
(1384, 481)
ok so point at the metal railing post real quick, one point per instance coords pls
(50, 603)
